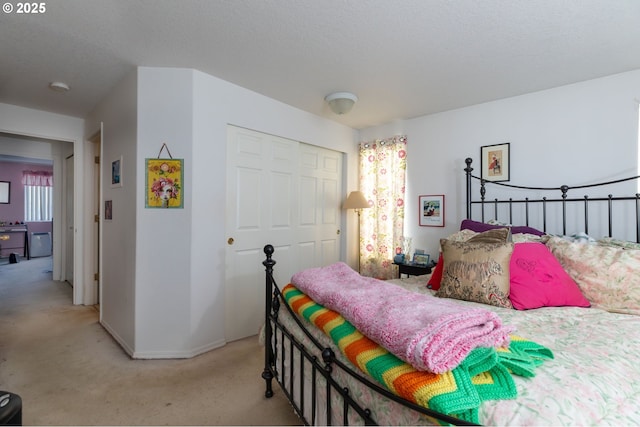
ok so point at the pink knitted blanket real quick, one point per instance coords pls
(430, 333)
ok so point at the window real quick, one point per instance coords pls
(38, 195)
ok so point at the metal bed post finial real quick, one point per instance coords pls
(468, 171)
(268, 355)
(564, 189)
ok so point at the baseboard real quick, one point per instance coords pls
(169, 354)
(172, 354)
(117, 337)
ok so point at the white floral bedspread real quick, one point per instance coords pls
(593, 380)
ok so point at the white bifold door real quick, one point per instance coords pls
(279, 192)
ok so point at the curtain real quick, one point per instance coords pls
(383, 165)
(39, 178)
(38, 195)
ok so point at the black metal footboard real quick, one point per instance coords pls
(290, 362)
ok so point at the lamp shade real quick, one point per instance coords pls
(341, 102)
(356, 200)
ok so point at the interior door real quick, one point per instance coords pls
(69, 224)
(279, 192)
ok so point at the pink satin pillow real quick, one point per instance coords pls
(538, 280)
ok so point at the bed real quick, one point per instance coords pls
(572, 348)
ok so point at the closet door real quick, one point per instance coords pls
(279, 192)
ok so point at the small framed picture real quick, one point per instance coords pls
(5, 192)
(431, 210)
(116, 172)
(495, 162)
(108, 210)
(421, 259)
(164, 183)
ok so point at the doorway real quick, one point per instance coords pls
(36, 151)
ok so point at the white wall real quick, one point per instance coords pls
(118, 113)
(164, 247)
(42, 124)
(580, 133)
(179, 253)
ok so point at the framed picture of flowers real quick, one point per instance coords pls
(164, 183)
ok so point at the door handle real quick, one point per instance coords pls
(230, 241)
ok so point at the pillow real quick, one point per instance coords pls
(538, 280)
(461, 236)
(607, 276)
(476, 272)
(436, 276)
(479, 227)
(524, 237)
(498, 235)
(580, 237)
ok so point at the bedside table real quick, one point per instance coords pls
(413, 269)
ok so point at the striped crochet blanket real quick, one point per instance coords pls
(485, 374)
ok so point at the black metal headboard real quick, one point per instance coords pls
(559, 208)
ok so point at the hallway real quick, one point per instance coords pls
(69, 371)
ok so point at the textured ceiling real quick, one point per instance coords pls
(403, 58)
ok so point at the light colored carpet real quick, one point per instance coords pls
(69, 371)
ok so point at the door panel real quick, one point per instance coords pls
(69, 225)
(280, 192)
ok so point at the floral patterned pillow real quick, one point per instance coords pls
(608, 276)
(476, 272)
(500, 234)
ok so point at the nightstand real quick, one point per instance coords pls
(413, 269)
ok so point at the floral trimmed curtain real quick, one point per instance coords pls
(38, 195)
(39, 178)
(383, 165)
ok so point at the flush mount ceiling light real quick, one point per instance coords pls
(341, 102)
(59, 87)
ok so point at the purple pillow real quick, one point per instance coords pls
(480, 227)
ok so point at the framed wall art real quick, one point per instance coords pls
(164, 183)
(116, 172)
(5, 192)
(108, 210)
(431, 210)
(495, 162)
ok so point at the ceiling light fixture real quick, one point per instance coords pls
(59, 87)
(341, 102)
